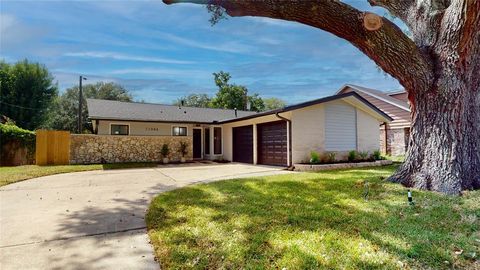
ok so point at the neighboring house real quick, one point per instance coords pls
(338, 123)
(393, 138)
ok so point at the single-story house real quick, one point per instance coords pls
(394, 136)
(283, 137)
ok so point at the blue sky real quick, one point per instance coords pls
(163, 52)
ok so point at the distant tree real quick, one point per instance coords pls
(195, 100)
(231, 96)
(273, 103)
(256, 103)
(63, 114)
(26, 92)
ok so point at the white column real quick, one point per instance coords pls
(255, 144)
(288, 142)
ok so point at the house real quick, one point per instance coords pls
(394, 136)
(283, 137)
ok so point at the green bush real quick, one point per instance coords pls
(363, 155)
(352, 155)
(314, 157)
(376, 155)
(330, 157)
(183, 149)
(165, 150)
(10, 133)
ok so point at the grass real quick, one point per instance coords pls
(10, 175)
(314, 221)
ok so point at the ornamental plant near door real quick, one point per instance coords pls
(165, 151)
(183, 149)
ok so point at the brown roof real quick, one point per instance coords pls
(398, 109)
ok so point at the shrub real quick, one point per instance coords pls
(314, 157)
(352, 155)
(363, 155)
(377, 155)
(10, 133)
(165, 150)
(183, 149)
(331, 156)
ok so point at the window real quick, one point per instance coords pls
(179, 131)
(119, 129)
(217, 141)
(207, 141)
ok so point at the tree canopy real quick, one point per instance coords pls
(64, 112)
(438, 64)
(26, 91)
(195, 100)
(273, 103)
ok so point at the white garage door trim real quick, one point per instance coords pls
(340, 127)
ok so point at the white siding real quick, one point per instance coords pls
(340, 127)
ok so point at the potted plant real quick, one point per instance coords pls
(183, 149)
(165, 151)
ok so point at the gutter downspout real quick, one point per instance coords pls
(290, 161)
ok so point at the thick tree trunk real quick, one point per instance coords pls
(439, 66)
(444, 147)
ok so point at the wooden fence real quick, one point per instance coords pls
(52, 147)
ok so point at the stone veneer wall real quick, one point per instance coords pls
(88, 149)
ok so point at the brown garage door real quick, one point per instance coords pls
(243, 144)
(272, 143)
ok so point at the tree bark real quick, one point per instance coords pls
(439, 66)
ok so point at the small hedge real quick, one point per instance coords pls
(10, 133)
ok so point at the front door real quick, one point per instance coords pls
(197, 143)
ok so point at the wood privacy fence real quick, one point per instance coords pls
(52, 147)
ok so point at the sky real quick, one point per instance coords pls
(162, 52)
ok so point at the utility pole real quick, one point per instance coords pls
(80, 100)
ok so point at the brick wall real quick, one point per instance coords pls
(88, 149)
(397, 141)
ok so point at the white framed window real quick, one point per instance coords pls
(179, 131)
(118, 129)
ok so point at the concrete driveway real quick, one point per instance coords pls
(93, 220)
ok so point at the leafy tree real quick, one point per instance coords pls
(438, 65)
(194, 100)
(64, 112)
(273, 103)
(26, 91)
(231, 96)
(256, 103)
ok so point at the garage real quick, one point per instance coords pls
(272, 143)
(243, 144)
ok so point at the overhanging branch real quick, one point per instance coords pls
(388, 46)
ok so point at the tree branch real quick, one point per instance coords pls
(389, 47)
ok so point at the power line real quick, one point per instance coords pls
(18, 106)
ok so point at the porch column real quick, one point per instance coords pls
(255, 144)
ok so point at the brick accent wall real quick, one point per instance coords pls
(88, 149)
(397, 141)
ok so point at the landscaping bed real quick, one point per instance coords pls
(343, 165)
(314, 221)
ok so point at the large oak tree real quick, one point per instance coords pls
(439, 66)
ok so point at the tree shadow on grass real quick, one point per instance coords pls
(309, 224)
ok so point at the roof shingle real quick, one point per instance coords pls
(135, 111)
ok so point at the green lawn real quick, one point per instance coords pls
(314, 221)
(10, 175)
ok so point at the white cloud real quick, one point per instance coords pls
(119, 56)
(231, 46)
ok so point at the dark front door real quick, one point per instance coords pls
(197, 143)
(243, 144)
(272, 143)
